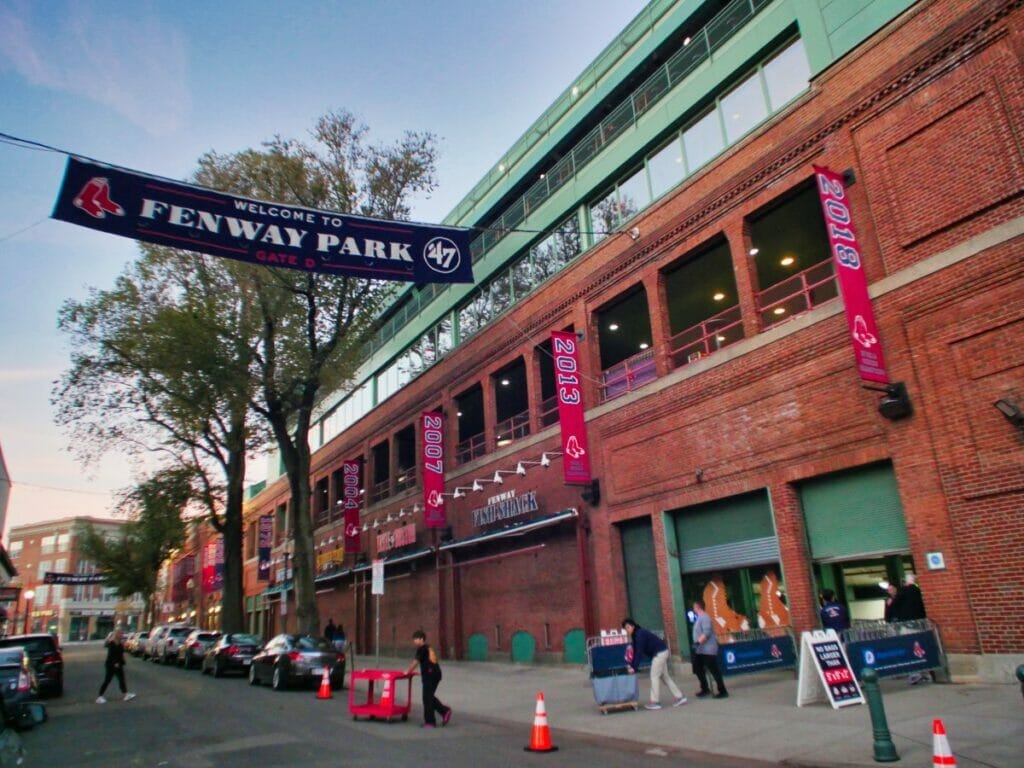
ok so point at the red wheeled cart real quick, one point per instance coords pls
(381, 694)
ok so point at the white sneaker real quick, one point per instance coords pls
(100, 700)
(652, 705)
(129, 696)
(679, 702)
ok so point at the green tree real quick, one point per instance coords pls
(161, 363)
(154, 529)
(313, 328)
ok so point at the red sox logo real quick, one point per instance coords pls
(95, 200)
(573, 447)
(434, 499)
(776, 652)
(918, 650)
(351, 531)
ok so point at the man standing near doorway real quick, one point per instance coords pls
(705, 653)
(647, 645)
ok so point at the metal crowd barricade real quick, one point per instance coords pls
(757, 650)
(896, 648)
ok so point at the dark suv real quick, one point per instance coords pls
(47, 660)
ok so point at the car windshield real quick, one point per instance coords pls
(206, 636)
(180, 631)
(242, 640)
(142, 635)
(32, 645)
(311, 643)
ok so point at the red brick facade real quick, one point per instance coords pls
(928, 115)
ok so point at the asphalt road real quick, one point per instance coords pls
(187, 719)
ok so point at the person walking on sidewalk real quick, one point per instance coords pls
(647, 645)
(430, 675)
(705, 653)
(114, 666)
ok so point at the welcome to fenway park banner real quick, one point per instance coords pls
(50, 577)
(130, 204)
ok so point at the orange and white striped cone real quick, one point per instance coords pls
(325, 686)
(387, 696)
(942, 753)
(540, 738)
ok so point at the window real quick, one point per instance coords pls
(42, 595)
(703, 140)
(63, 540)
(48, 545)
(44, 566)
(15, 549)
(666, 167)
(743, 108)
(250, 539)
(786, 75)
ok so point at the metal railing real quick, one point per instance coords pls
(631, 373)
(406, 479)
(470, 448)
(380, 491)
(797, 294)
(706, 337)
(513, 428)
(549, 411)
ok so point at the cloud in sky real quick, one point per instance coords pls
(128, 60)
(43, 375)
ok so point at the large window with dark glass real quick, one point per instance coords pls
(703, 307)
(405, 450)
(470, 413)
(624, 339)
(789, 245)
(381, 486)
(511, 403)
(548, 396)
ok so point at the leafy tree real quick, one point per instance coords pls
(313, 327)
(155, 529)
(161, 363)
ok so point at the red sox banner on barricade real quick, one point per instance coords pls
(853, 284)
(164, 212)
(352, 483)
(432, 461)
(568, 387)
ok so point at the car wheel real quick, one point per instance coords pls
(253, 679)
(280, 680)
(218, 669)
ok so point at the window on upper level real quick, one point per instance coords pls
(405, 453)
(380, 456)
(15, 550)
(789, 245)
(47, 545)
(624, 339)
(511, 403)
(470, 412)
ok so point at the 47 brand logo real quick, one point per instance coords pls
(95, 200)
(442, 255)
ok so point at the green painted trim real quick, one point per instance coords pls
(524, 647)
(574, 647)
(675, 585)
(476, 647)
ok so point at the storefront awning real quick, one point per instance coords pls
(396, 558)
(513, 530)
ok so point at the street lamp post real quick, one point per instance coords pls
(28, 610)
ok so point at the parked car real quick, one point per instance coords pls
(230, 653)
(192, 649)
(18, 685)
(166, 648)
(136, 644)
(290, 659)
(46, 657)
(149, 648)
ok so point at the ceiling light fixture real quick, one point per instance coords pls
(779, 311)
(754, 251)
(505, 382)
(718, 296)
(787, 260)
(644, 345)
(613, 326)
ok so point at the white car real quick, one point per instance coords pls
(165, 650)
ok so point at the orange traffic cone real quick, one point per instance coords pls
(942, 753)
(387, 695)
(325, 686)
(540, 738)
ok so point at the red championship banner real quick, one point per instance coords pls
(575, 458)
(853, 285)
(209, 565)
(433, 470)
(352, 481)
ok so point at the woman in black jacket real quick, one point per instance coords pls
(114, 666)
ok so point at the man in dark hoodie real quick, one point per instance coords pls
(647, 645)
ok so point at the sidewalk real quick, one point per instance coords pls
(759, 722)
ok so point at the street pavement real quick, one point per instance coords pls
(182, 718)
(759, 722)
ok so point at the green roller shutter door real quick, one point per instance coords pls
(641, 569)
(854, 513)
(727, 533)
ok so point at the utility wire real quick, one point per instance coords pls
(61, 490)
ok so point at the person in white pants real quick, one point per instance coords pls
(647, 645)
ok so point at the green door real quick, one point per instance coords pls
(641, 570)
(854, 513)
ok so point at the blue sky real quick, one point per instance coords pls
(153, 85)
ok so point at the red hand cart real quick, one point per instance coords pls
(381, 699)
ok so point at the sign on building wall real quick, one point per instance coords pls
(853, 284)
(569, 390)
(352, 486)
(265, 542)
(504, 507)
(432, 459)
(155, 210)
(399, 537)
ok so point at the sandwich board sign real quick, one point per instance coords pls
(823, 659)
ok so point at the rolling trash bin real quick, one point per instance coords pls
(615, 687)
